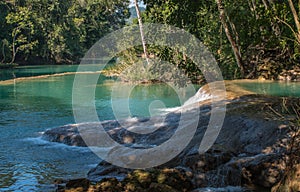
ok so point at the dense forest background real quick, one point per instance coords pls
(56, 31)
(249, 38)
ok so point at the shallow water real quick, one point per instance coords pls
(275, 88)
(38, 70)
(30, 106)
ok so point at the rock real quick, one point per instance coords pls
(264, 170)
(291, 181)
(158, 187)
(72, 134)
(76, 185)
(158, 180)
(208, 161)
(154, 180)
(290, 75)
(107, 185)
(106, 170)
(224, 189)
(247, 152)
(67, 134)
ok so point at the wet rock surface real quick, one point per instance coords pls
(246, 155)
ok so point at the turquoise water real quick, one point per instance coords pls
(275, 88)
(38, 70)
(29, 107)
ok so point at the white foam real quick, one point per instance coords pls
(201, 95)
(48, 144)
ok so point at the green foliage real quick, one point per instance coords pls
(263, 31)
(57, 31)
(139, 72)
(62, 31)
(22, 22)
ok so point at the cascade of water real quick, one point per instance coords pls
(201, 95)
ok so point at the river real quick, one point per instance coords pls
(29, 106)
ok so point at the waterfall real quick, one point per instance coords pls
(201, 95)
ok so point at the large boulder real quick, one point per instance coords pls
(249, 150)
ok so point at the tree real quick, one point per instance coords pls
(141, 30)
(296, 20)
(4, 45)
(56, 31)
(201, 19)
(233, 41)
(5, 29)
(244, 36)
(23, 29)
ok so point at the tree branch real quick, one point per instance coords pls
(291, 28)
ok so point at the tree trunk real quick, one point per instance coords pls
(141, 30)
(14, 51)
(296, 18)
(230, 38)
(3, 52)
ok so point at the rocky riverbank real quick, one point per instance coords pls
(250, 152)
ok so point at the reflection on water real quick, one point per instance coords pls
(29, 107)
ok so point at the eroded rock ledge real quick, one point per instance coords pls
(248, 153)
